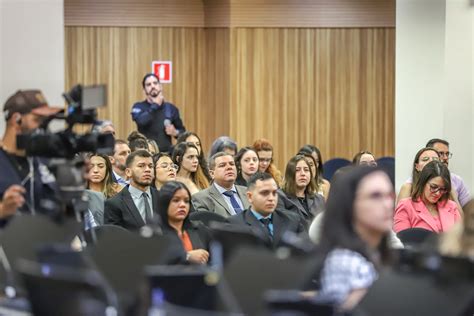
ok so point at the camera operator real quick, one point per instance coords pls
(24, 112)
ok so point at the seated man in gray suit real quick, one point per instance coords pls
(223, 196)
(262, 218)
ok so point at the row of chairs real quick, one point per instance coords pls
(331, 166)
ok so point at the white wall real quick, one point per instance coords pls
(31, 49)
(434, 68)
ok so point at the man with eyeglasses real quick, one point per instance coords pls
(442, 147)
(24, 112)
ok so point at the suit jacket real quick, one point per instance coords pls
(282, 222)
(410, 214)
(211, 200)
(120, 210)
(316, 205)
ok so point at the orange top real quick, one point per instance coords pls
(187, 244)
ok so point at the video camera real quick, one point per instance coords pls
(83, 102)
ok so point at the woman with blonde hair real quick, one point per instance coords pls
(100, 176)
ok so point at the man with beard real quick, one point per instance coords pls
(121, 152)
(155, 118)
(134, 206)
(22, 188)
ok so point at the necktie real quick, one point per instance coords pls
(147, 207)
(233, 201)
(266, 222)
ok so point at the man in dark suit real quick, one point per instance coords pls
(133, 207)
(223, 196)
(262, 219)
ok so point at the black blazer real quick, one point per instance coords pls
(120, 210)
(282, 222)
(316, 205)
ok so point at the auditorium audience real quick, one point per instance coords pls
(225, 144)
(246, 162)
(364, 158)
(118, 159)
(356, 227)
(323, 184)
(134, 206)
(193, 138)
(100, 176)
(223, 196)
(165, 169)
(173, 208)
(262, 218)
(299, 193)
(265, 158)
(460, 189)
(185, 156)
(429, 206)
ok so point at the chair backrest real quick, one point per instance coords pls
(332, 165)
(415, 236)
(97, 232)
(207, 217)
(54, 290)
(388, 165)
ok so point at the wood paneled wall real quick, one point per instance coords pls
(231, 13)
(330, 87)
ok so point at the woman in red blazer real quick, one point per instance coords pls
(429, 206)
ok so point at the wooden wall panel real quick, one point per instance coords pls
(330, 87)
(231, 13)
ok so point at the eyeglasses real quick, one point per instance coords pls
(446, 154)
(368, 163)
(168, 166)
(267, 160)
(425, 159)
(380, 196)
(435, 189)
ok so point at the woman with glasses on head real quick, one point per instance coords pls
(429, 206)
(186, 156)
(323, 184)
(265, 157)
(246, 162)
(364, 158)
(165, 169)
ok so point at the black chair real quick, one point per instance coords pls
(92, 235)
(332, 165)
(24, 235)
(388, 165)
(121, 258)
(251, 272)
(57, 291)
(207, 217)
(415, 236)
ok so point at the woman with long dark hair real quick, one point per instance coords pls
(429, 206)
(174, 205)
(322, 184)
(193, 138)
(355, 234)
(185, 156)
(298, 193)
(246, 162)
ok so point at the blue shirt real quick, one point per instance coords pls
(138, 200)
(227, 199)
(259, 217)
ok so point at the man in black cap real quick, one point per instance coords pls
(26, 184)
